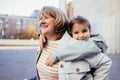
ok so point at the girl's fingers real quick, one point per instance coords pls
(42, 41)
(49, 61)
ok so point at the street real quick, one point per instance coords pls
(19, 64)
(115, 69)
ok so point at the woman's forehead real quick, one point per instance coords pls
(44, 14)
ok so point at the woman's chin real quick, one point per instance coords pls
(43, 31)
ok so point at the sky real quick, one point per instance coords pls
(24, 7)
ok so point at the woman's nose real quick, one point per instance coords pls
(42, 23)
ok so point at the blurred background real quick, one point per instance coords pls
(19, 30)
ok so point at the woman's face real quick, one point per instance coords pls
(80, 32)
(47, 24)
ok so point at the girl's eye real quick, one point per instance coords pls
(84, 30)
(76, 32)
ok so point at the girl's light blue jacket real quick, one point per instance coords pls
(70, 49)
(76, 58)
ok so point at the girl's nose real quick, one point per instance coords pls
(81, 35)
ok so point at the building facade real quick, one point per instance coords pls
(104, 16)
(12, 27)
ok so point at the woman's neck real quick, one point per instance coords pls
(51, 37)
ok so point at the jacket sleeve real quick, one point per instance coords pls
(102, 66)
(71, 49)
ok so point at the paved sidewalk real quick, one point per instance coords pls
(18, 44)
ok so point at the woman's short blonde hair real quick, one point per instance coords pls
(61, 20)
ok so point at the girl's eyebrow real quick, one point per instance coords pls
(84, 30)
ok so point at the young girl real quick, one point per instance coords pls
(72, 66)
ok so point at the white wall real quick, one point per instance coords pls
(111, 32)
(104, 16)
(62, 5)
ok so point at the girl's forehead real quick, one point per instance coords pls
(80, 25)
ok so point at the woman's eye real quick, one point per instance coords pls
(40, 18)
(46, 17)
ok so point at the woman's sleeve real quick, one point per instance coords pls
(72, 49)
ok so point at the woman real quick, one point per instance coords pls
(53, 23)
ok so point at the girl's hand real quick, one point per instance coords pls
(43, 40)
(50, 61)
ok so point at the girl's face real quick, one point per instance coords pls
(47, 24)
(80, 32)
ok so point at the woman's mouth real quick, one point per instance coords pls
(43, 26)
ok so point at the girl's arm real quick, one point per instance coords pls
(101, 63)
(103, 68)
(71, 49)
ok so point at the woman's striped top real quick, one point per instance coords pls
(48, 72)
